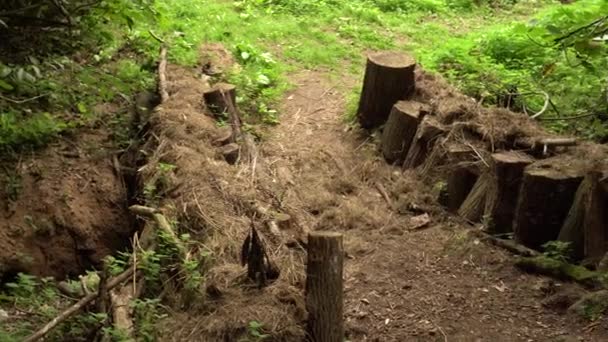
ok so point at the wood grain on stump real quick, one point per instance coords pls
(429, 131)
(507, 171)
(473, 206)
(400, 129)
(389, 77)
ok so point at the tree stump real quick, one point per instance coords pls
(324, 292)
(230, 152)
(400, 129)
(389, 77)
(596, 219)
(573, 230)
(221, 99)
(460, 183)
(430, 130)
(546, 195)
(507, 170)
(473, 206)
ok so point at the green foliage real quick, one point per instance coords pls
(558, 250)
(255, 332)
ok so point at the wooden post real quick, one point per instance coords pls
(324, 301)
(546, 195)
(507, 171)
(400, 129)
(389, 77)
(429, 131)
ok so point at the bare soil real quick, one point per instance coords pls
(63, 209)
(434, 284)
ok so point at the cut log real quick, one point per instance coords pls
(546, 195)
(389, 77)
(562, 270)
(507, 172)
(400, 129)
(429, 131)
(221, 99)
(473, 206)
(324, 289)
(460, 183)
(230, 152)
(596, 219)
(259, 266)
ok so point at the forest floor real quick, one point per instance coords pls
(403, 284)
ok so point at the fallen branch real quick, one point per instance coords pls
(559, 269)
(384, 195)
(508, 245)
(162, 75)
(112, 283)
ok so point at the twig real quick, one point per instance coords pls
(569, 117)
(21, 101)
(477, 153)
(162, 75)
(384, 194)
(159, 39)
(78, 306)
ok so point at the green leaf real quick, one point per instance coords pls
(263, 80)
(82, 108)
(245, 55)
(6, 86)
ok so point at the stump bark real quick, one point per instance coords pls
(400, 129)
(430, 130)
(473, 206)
(221, 99)
(507, 172)
(230, 152)
(324, 293)
(573, 230)
(545, 197)
(389, 77)
(596, 219)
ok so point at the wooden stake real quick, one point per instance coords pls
(324, 291)
(400, 129)
(389, 77)
(460, 183)
(596, 219)
(507, 172)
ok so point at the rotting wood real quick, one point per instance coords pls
(507, 172)
(260, 267)
(429, 131)
(112, 283)
(324, 288)
(473, 206)
(162, 75)
(389, 77)
(400, 130)
(544, 265)
(546, 195)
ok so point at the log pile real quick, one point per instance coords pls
(535, 187)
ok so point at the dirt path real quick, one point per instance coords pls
(434, 284)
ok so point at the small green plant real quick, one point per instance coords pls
(558, 250)
(255, 332)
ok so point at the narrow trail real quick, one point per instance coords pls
(433, 284)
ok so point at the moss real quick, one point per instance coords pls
(559, 269)
(591, 306)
